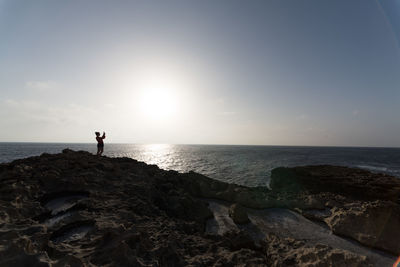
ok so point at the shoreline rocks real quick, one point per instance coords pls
(362, 205)
(345, 181)
(79, 209)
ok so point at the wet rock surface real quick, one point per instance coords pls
(77, 209)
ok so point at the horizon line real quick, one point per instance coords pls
(204, 144)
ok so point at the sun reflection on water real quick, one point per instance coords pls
(159, 154)
(154, 148)
(244, 165)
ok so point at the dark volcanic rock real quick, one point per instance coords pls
(238, 214)
(202, 186)
(355, 183)
(77, 209)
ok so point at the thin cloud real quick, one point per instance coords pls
(32, 111)
(41, 85)
(25, 104)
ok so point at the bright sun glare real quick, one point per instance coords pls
(159, 99)
(158, 103)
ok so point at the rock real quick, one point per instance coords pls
(238, 214)
(362, 205)
(185, 207)
(75, 208)
(78, 209)
(290, 252)
(331, 203)
(202, 186)
(355, 183)
(375, 224)
(67, 150)
(16, 256)
(240, 240)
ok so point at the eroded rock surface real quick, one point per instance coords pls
(355, 203)
(78, 209)
(375, 224)
(291, 252)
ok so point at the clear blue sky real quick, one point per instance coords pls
(312, 72)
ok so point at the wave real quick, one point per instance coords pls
(378, 169)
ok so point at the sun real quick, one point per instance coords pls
(158, 103)
(159, 93)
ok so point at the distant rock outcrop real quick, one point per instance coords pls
(349, 182)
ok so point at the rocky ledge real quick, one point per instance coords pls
(78, 209)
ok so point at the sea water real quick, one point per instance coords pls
(245, 165)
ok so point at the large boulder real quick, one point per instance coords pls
(375, 224)
(238, 214)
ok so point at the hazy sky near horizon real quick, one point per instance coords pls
(287, 72)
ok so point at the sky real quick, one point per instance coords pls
(258, 72)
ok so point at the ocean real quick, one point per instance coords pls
(245, 165)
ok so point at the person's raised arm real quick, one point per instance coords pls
(104, 135)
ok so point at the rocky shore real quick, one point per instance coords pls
(77, 209)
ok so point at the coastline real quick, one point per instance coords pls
(78, 209)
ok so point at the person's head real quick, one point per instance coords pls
(97, 133)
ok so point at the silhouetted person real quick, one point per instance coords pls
(100, 143)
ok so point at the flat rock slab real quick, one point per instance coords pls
(286, 223)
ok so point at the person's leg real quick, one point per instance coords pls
(99, 149)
